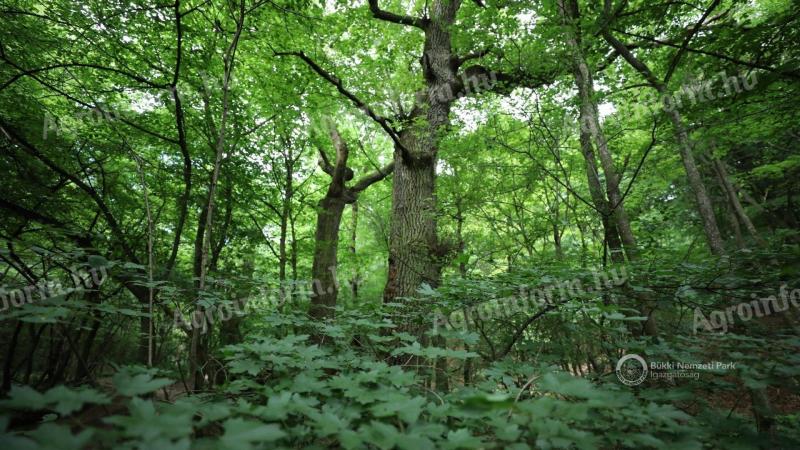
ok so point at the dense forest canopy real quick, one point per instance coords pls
(236, 224)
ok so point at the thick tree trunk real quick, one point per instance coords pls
(325, 286)
(413, 242)
(412, 238)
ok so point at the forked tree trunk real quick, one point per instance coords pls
(325, 285)
(590, 123)
(610, 233)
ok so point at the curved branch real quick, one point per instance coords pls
(399, 19)
(372, 178)
(324, 162)
(380, 120)
(458, 61)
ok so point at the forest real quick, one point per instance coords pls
(399, 224)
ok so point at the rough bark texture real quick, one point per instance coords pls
(413, 244)
(412, 238)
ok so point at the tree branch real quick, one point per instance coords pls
(90, 191)
(324, 162)
(640, 67)
(130, 75)
(380, 120)
(396, 18)
(340, 171)
(458, 61)
(794, 74)
(372, 178)
(673, 64)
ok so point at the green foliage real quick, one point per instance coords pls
(111, 120)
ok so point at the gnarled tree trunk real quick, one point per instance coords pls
(325, 285)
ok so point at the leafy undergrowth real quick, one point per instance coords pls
(369, 383)
(281, 391)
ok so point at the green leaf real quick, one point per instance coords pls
(462, 438)
(241, 433)
(132, 385)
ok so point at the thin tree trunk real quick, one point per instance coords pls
(356, 279)
(704, 206)
(9, 357)
(703, 203)
(590, 123)
(722, 173)
(196, 358)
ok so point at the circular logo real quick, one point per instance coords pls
(631, 369)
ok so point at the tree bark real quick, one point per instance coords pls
(413, 241)
(696, 183)
(325, 285)
(356, 279)
(611, 235)
(733, 199)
